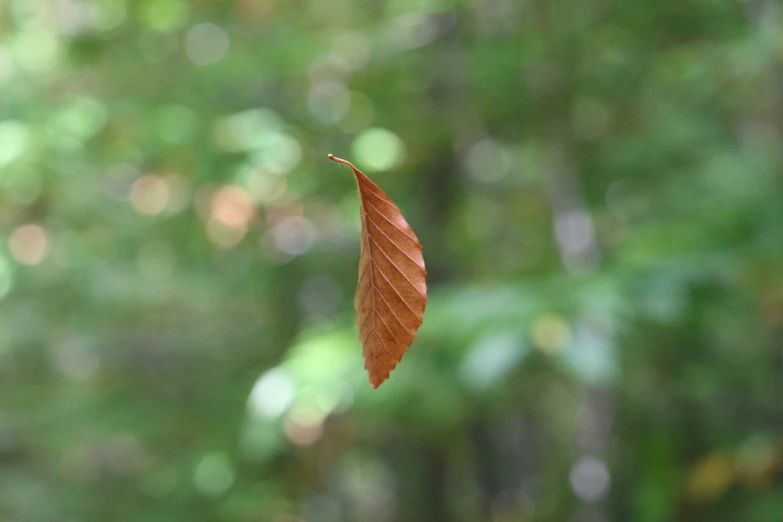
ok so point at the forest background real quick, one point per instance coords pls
(597, 187)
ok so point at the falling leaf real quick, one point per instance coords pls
(392, 292)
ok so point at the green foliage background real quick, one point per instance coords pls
(597, 186)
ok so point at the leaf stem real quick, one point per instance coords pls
(340, 160)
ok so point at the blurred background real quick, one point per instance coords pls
(597, 186)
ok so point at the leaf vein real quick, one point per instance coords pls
(397, 267)
(392, 223)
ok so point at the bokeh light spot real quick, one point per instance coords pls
(378, 149)
(488, 161)
(88, 116)
(164, 15)
(351, 50)
(590, 479)
(550, 333)
(278, 153)
(575, 231)
(328, 102)
(28, 244)
(214, 475)
(14, 140)
(36, 50)
(294, 235)
(245, 130)
(415, 28)
(265, 187)
(206, 44)
(110, 15)
(711, 475)
(76, 123)
(491, 357)
(272, 394)
(74, 18)
(232, 207)
(303, 425)
(150, 194)
(225, 236)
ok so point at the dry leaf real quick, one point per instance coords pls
(392, 292)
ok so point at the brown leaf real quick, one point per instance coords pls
(392, 292)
